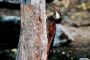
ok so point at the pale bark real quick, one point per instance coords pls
(33, 36)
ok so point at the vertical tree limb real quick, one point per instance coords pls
(33, 37)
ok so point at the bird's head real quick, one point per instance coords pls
(57, 17)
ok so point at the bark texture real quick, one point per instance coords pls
(33, 36)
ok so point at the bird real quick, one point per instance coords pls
(51, 24)
(51, 28)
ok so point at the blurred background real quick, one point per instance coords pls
(76, 24)
(76, 21)
(9, 30)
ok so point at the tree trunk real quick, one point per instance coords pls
(33, 36)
